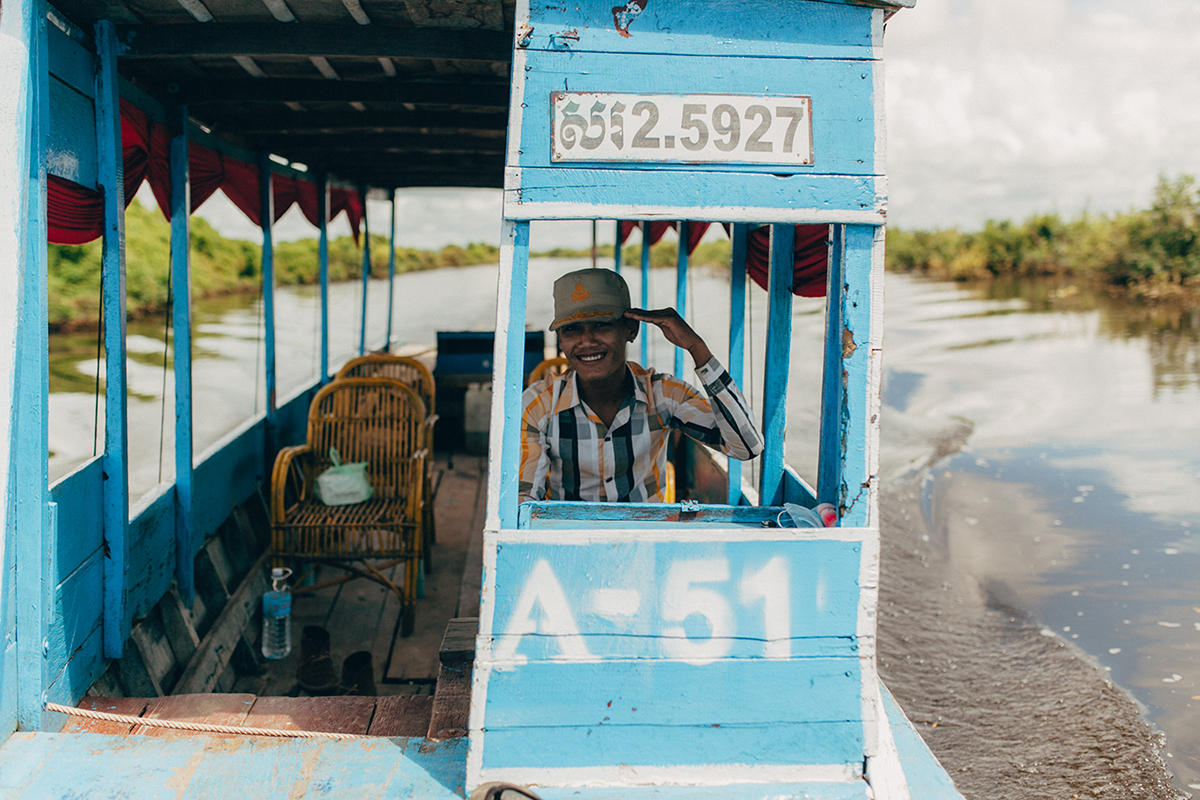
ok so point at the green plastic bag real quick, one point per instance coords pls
(343, 484)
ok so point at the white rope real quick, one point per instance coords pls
(193, 726)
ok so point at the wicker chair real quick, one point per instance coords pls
(551, 366)
(379, 421)
(417, 375)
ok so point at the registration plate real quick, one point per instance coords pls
(695, 128)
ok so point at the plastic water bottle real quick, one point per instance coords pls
(277, 616)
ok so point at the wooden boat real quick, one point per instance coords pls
(695, 649)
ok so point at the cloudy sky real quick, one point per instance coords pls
(997, 109)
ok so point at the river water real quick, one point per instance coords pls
(1039, 608)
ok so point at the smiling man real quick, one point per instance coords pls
(601, 431)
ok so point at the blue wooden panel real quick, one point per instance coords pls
(737, 333)
(926, 778)
(267, 204)
(509, 360)
(856, 350)
(829, 462)
(151, 556)
(665, 693)
(703, 196)
(694, 27)
(79, 499)
(567, 515)
(602, 745)
(776, 363)
(226, 479)
(61, 766)
(71, 139)
(843, 104)
(76, 611)
(71, 62)
(795, 490)
(668, 598)
(86, 666)
(644, 301)
(181, 326)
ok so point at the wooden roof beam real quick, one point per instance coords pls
(302, 40)
(328, 122)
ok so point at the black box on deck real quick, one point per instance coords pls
(464, 358)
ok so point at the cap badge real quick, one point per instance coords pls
(580, 294)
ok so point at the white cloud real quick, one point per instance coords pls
(1002, 110)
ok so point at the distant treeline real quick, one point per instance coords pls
(1149, 253)
(219, 266)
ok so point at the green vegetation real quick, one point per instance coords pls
(662, 254)
(1146, 254)
(219, 266)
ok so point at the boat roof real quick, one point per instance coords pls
(380, 93)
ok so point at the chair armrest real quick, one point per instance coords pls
(286, 460)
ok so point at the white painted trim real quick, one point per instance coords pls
(692, 775)
(516, 94)
(513, 209)
(880, 101)
(508, 233)
(668, 533)
(885, 772)
(482, 671)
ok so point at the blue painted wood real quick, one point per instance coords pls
(693, 27)
(116, 437)
(843, 109)
(151, 568)
(79, 497)
(323, 266)
(833, 388)
(558, 192)
(617, 247)
(925, 776)
(366, 274)
(75, 657)
(514, 361)
(387, 343)
(856, 351)
(681, 268)
(27, 486)
(71, 63)
(61, 766)
(75, 677)
(775, 368)
(181, 325)
(71, 143)
(612, 588)
(645, 300)
(737, 334)
(796, 489)
(566, 515)
(602, 745)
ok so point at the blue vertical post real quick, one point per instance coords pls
(833, 389)
(862, 265)
(366, 273)
(323, 268)
(508, 366)
(26, 471)
(681, 268)
(737, 334)
(267, 222)
(181, 324)
(387, 346)
(775, 371)
(645, 332)
(117, 620)
(617, 248)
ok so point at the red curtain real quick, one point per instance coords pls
(657, 229)
(76, 213)
(811, 258)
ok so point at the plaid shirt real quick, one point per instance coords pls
(567, 453)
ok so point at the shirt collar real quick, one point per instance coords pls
(570, 397)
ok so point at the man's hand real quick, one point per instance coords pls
(676, 331)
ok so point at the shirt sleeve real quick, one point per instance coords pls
(535, 452)
(723, 420)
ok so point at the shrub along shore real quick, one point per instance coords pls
(1146, 255)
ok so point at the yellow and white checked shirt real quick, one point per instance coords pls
(567, 453)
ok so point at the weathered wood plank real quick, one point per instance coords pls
(451, 703)
(402, 715)
(150, 638)
(130, 706)
(177, 622)
(208, 709)
(458, 644)
(328, 714)
(214, 651)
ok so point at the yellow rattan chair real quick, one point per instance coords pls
(551, 366)
(417, 375)
(379, 421)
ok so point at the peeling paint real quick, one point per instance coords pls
(848, 345)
